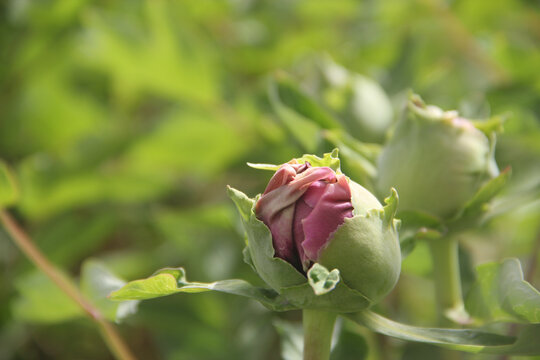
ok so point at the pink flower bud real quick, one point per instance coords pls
(303, 206)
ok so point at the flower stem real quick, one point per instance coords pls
(25, 244)
(318, 330)
(447, 280)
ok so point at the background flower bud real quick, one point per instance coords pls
(435, 159)
(360, 103)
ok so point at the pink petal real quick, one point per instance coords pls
(330, 211)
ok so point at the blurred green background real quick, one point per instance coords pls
(125, 120)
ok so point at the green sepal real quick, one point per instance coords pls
(321, 280)
(9, 191)
(501, 294)
(473, 341)
(274, 271)
(491, 125)
(390, 209)
(478, 205)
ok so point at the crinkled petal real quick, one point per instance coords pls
(276, 207)
(329, 212)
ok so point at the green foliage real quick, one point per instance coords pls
(122, 122)
(8, 189)
(463, 340)
(501, 294)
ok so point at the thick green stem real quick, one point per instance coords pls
(444, 253)
(318, 330)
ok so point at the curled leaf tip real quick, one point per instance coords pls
(270, 167)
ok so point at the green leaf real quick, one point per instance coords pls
(97, 282)
(473, 341)
(501, 294)
(321, 280)
(9, 192)
(173, 280)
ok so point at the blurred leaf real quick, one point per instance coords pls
(473, 341)
(303, 129)
(501, 294)
(41, 300)
(63, 242)
(351, 345)
(290, 96)
(166, 58)
(419, 261)
(9, 192)
(291, 339)
(97, 282)
(358, 158)
(184, 145)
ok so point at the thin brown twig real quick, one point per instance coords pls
(108, 331)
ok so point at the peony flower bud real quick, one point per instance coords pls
(436, 160)
(315, 215)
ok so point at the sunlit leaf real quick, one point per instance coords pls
(172, 280)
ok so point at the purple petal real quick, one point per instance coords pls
(276, 207)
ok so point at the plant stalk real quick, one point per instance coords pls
(318, 330)
(108, 331)
(447, 280)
